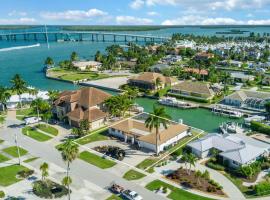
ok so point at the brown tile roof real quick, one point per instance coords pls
(151, 77)
(196, 71)
(129, 125)
(90, 114)
(194, 87)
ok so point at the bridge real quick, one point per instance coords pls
(80, 36)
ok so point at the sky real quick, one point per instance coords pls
(135, 12)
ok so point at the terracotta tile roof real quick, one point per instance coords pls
(196, 71)
(131, 127)
(90, 114)
(151, 77)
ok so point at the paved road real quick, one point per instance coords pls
(79, 169)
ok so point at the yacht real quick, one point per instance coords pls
(256, 118)
(171, 101)
(222, 110)
(231, 127)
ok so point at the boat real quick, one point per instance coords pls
(171, 101)
(231, 127)
(256, 118)
(136, 108)
(226, 111)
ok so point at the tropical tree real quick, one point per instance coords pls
(33, 91)
(131, 93)
(47, 116)
(49, 61)
(84, 125)
(44, 168)
(191, 159)
(155, 119)
(37, 105)
(184, 158)
(4, 96)
(98, 56)
(69, 153)
(158, 83)
(19, 86)
(53, 95)
(67, 182)
(74, 56)
(197, 175)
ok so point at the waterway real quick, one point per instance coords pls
(28, 62)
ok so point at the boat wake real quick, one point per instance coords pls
(19, 47)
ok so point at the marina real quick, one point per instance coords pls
(226, 111)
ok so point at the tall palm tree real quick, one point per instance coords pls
(37, 105)
(44, 168)
(191, 159)
(19, 86)
(33, 91)
(74, 56)
(4, 97)
(49, 61)
(132, 93)
(67, 181)
(53, 95)
(69, 153)
(155, 119)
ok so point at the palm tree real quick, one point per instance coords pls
(184, 158)
(4, 97)
(73, 56)
(191, 159)
(46, 116)
(197, 175)
(132, 93)
(37, 105)
(67, 181)
(69, 153)
(158, 83)
(53, 95)
(155, 119)
(34, 92)
(44, 168)
(49, 61)
(19, 86)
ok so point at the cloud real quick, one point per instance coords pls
(152, 13)
(130, 20)
(136, 4)
(22, 20)
(259, 22)
(74, 15)
(17, 13)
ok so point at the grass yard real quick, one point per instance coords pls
(13, 151)
(25, 112)
(3, 158)
(98, 135)
(31, 159)
(8, 174)
(133, 175)
(176, 193)
(98, 161)
(114, 197)
(146, 163)
(48, 129)
(34, 134)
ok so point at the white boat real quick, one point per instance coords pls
(171, 101)
(222, 110)
(231, 127)
(255, 118)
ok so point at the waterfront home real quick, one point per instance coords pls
(83, 104)
(235, 150)
(171, 59)
(148, 81)
(247, 99)
(235, 63)
(159, 67)
(241, 77)
(203, 56)
(87, 65)
(202, 72)
(135, 132)
(14, 100)
(193, 90)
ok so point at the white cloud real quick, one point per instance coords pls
(73, 14)
(136, 4)
(17, 13)
(22, 20)
(152, 13)
(130, 20)
(259, 22)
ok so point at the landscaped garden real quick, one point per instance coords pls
(13, 151)
(97, 135)
(34, 134)
(23, 113)
(147, 163)
(114, 152)
(173, 192)
(133, 175)
(114, 197)
(3, 158)
(96, 160)
(48, 129)
(9, 175)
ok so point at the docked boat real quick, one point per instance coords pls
(256, 118)
(171, 101)
(230, 128)
(222, 110)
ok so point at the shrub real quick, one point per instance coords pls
(2, 194)
(165, 189)
(215, 166)
(211, 189)
(262, 128)
(48, 189)
(262, 188)
(206, 175)
(25, 173)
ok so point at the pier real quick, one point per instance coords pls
(81, 36)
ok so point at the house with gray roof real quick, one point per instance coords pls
(235, 149)
(252, 100)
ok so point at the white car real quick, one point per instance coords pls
(32, 120)
(131, 195)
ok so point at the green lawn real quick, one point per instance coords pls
(8, 174)
(25, 112)
(98, 135)
(48, 129)
(176, 193)
(3, 158)
(30, 159)
(96, 160)
(133, 175)
(2, 119)
(36, 135)
(146, 163)
(13, 151)
(114, 197)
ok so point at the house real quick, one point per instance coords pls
(87, 65)
(235, 63)
(194, 90)
(253, 100)
(202, 72)
(171, 59)
(203, 56)
(234, 150)
(148, 80)
(83, 104)
(159, 67)
(135, 132)
(241, 77)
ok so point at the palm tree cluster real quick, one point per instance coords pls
(189, 159)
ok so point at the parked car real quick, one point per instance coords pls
(131, 195)
(115, 188)
(32, 120)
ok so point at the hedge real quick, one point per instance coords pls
(259, 127)
(262, 188)
(215, 166)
